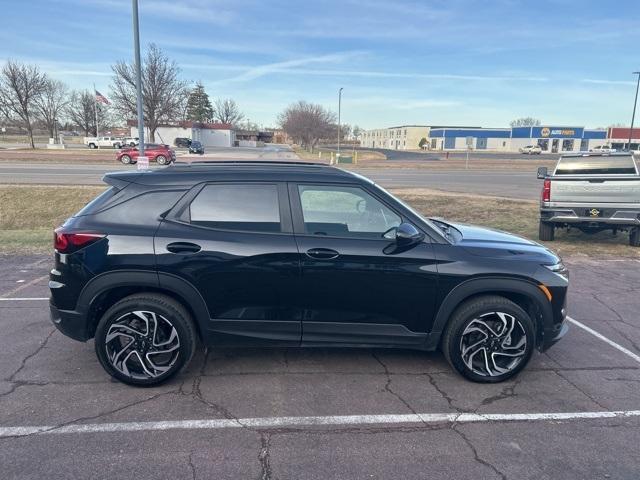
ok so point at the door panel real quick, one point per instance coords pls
(244, 277)
(356, 286)
(367, 293)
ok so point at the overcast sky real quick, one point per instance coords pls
(455, 62)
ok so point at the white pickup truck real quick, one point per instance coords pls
(591, 192)
(102, 142)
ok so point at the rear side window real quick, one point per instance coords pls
(99, 202)
(144, 209)
(596, 165)
(243, 207)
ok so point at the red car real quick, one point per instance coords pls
(162, 154)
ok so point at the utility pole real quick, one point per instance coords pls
(633, 115)
(339, 122)
(136, 47)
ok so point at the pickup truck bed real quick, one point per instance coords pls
(592, 192)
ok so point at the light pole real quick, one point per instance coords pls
(339, 122)
(136, 47)
(633, 115)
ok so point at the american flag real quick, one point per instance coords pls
(101, 98)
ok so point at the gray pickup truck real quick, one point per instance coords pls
(591, 192)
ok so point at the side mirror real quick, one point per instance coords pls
(542, 172)
(407, 234)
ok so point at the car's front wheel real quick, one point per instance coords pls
(161, 159)
(145, 339)
(489, 339)
(126, 159)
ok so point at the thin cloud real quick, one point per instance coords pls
(433, 76)
(254, 73)
(607, 82)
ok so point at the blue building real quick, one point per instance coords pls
(552, 139)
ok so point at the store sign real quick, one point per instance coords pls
(551, 132)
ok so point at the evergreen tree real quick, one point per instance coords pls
(199, 107)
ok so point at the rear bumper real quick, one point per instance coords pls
(603, 215)
(71, 323)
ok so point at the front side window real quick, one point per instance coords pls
(341, 211)
(246, 207)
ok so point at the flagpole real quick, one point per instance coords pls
(95, 107)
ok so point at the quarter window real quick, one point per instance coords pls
(339, 211)
(237, 207)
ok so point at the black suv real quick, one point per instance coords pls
(293, 254)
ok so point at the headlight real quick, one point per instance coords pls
(558, 268)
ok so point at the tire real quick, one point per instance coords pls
(546, 231)
(92, 145)
(126, 159)
(161, 159)
(116, 146)
(634, 237)
(467, 328)
(172, 342)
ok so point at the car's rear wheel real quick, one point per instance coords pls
(116, 145)
(93, 145)
(489, 339)
(145, 339)
(634, 237)
(126, 159)
(546, 231)
(161, 159)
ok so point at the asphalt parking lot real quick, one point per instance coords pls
(325, 413)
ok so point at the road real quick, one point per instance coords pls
(324, 413)
(516, 184)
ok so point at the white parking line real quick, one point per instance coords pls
(22, 299)
(627, 352)
(294, 422)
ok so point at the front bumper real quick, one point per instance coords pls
(71, 323)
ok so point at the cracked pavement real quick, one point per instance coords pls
(48, 379)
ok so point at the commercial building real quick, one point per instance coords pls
(209, 134)
(552, 139)
(476, 138)
(618, 137)
(557, 139)
(403, 137)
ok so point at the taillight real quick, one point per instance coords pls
(546, 191)
(68, 242)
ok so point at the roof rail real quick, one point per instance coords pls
(206, 163)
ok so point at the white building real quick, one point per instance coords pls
(209, 134)
(403, 137)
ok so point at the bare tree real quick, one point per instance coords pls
(51, 104)
(307, 123)
(163, 92)
(227, 111)
(525, 122)
(20, 87)
(81, 111)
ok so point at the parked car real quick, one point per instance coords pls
(162, 154)
(130, 141)
(531, 149)
(602, 149)
(101, 142)
(182, 142)
(591, 192)
(196, 147)
(293, 254)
